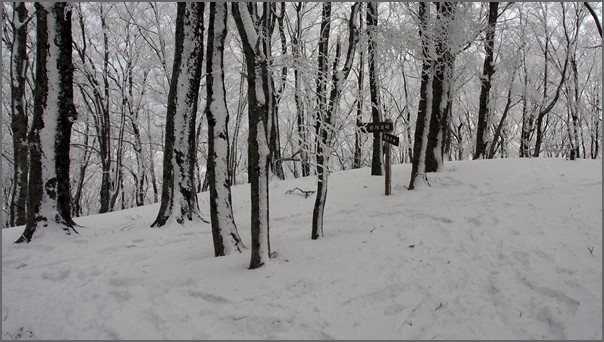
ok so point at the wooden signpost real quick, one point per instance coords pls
(389, 139)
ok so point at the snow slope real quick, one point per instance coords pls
(498, 249)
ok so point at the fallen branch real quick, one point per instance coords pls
(306, 193)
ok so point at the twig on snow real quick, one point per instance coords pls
(306, 193)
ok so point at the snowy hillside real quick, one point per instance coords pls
(498, 249)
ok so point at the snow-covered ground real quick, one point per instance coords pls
(498, 249)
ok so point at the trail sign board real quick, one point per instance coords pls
(390, 139)
(376, 127)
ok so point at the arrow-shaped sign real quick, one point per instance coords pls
(390, 139)
(373, 127)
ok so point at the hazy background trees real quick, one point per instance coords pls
(544, 100)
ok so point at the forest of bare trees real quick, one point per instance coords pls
(107, 106)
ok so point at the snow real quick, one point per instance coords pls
(492, 249)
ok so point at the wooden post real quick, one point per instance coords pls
(388, 171)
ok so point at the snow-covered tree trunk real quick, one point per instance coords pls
(224, 232)
(441, 86)
(377, 158)
(301, 120)
(179, 198)
(422, 125)
(104, 121)
(275, 142)
(49, 207)
(326, 110)
(255, 32)
(19, 116)
(357, 161)
(319, 208)
(485, 84)
(527, 118)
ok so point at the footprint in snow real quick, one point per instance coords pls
(56, 275)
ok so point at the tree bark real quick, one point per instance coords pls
(300, 110)
(275, 142)
(19, 64)
(77, 197)
(233, 159)
(327, 109)
(357, 161)
(255, 34)
(485, 84)
(224, 231)
(317, 221)
(441, 87)
(377, 158)
(595, 17)
(104, 127)
(179, 199)
(498, 130)
(49, 200)
(422, 125)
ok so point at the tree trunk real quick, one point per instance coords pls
(317, 225)
(275, 142)
(18, 213)
(77, 197)
(179, 199)
(254, 37)
(527, 118)
(545, 109)
(300, 111)
(224, 231)
(574, 153)
(327, 109)
(54, 112)
(104, 126)
(422, 125)
(485, 84)
(377, 161)
(441, 87)
(506, 110)
(358, 162)
(233, 159)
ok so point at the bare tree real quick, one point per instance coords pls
(255, 32)
(179, 199)
(18, 70)
(443, 64)
(328, 107)
(54, 112)
(224, 232)
(422, 125)
(485, 84)
(301, 119)
(377, 157)
(357, 157)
